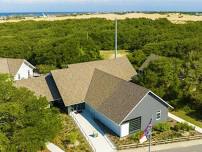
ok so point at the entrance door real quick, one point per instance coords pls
(77, 107)
(134, 125)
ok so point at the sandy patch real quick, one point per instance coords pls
(173, 17)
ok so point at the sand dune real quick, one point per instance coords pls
(173, 17)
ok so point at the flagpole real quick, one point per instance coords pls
(116, 30)
(150, 135)
(150, 142)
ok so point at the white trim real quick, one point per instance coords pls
(29, 64)
(157, 112)
(162, 100)
(133, 108)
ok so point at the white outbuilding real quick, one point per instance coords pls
(18, 68)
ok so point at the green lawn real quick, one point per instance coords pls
(109, 54)
(191, 117)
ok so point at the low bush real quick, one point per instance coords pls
(43, 69)
(136, 136)
(167, 135)
(182, 127)
(161, 127)
(72, 137)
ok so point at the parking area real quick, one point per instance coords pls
(89, 128)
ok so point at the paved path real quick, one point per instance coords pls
(170, 147)
(178, 119)
(197, 148)
(88, 126)
(53, 148)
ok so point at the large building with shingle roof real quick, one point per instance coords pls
(78, 77)
(103, 89)
(18, 68)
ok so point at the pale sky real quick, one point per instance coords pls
(98, 5)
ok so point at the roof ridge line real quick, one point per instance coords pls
(129, 82)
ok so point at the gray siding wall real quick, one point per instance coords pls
(107, 122)
(147, 109)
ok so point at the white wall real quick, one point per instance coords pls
(107, 122)
(124, 129)
(23, 72)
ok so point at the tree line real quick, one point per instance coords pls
(176, 77)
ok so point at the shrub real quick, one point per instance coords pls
(182, 127)
(43, 69)
(161, 127)
(136, 136)
(167, 135)
(72, 137)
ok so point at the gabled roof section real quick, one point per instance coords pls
(14, 65)
(73, 82)
(11, 66)
(120, 67)
(113, 96)
(4, 66)
(38, 85)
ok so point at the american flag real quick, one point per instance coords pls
(147, 132)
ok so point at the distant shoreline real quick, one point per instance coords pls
(178, 18)
(34, 14)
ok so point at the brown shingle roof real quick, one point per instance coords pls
(11, 66)
(14, 65)
(38, 85)
(112, 96)
(73, 82)
(4, 66)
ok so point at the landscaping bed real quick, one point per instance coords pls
(162, 131)
(70, 138)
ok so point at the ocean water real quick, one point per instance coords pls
(37, 14)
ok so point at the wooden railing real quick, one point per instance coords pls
(180, 139)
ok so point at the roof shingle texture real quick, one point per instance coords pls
(112, 96)
(73, 82)
(38, 85)
(11, 66)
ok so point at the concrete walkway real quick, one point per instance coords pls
(166, 146)
(178, 119)
(53, 148)
(88, 126)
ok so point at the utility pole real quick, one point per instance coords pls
(116, 38)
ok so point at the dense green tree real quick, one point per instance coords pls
(26, 121)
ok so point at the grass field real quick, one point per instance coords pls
(109, 54)
(191, 117)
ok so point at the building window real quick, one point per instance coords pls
(18, 76)
(28, 73)
(158, 115)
